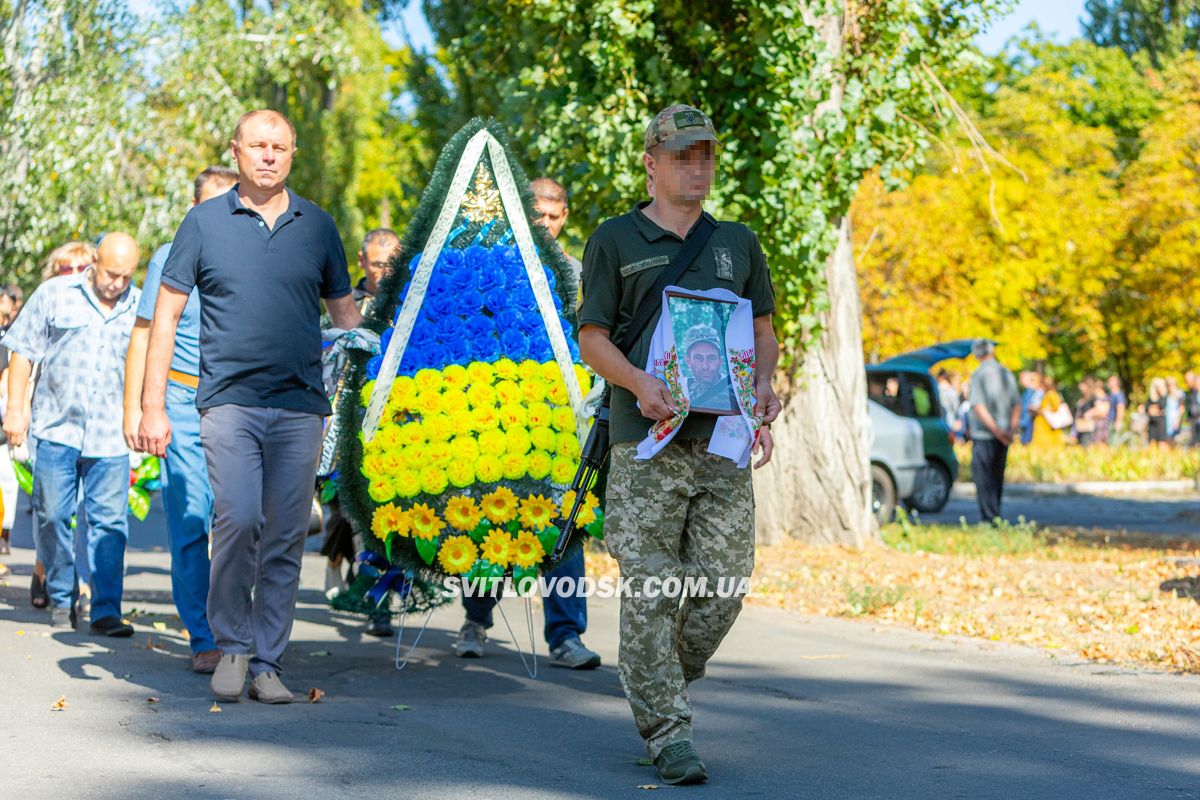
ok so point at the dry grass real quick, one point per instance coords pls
(1126, 601)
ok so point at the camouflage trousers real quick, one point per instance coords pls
(683, 513)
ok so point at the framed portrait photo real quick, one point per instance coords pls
(698, 325)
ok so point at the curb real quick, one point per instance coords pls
(1085, 488)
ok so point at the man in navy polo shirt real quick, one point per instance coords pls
(187, 496)
(261, 258)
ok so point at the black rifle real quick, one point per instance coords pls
(593, 462)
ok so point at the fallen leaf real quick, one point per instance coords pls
(152, 700)
(401, 707)
(160, 626)
(20, 633)
(645, 762)
(60, 704)
(319, 653)
(315, 695)
(216, 709)
(648, 786)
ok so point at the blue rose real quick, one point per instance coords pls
(434, 356)
(458, 351)
(476, 259)
(452, 258)
(481, 327)
(508, 319)
(485, 349)
(531, 322)
(373, 367)
(385, 339)
(540, 349)
(496, 300)
(514, 344)
(557, 302)
(468, 304)
(424, 333)
(441, 305)
(451, 329)
(491, 279)
(463, 280)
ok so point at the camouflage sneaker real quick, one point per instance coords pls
(470, 640)
(679, 764)
(574, 654)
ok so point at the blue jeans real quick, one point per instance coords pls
(566, 617)
(57, 475)
(188, 502)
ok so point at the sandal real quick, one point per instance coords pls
(38, 596)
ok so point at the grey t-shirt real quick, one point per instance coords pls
(994, 387)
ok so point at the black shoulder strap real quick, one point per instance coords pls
(652, 305)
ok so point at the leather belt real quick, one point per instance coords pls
(190, 381)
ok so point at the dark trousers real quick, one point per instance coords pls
(988, 458)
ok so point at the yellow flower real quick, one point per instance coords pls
(479, 373)
(464, 447)
(485, 419)
(372, 466)
(534, 390)
(454, 402)
(402, 394)
(425, 522)
(584, 377)
(428, 403)
(506, 370)
(515, 466)
(435, 454)
(492, 442)
(567, 446)
(562, 470)
(508, 392)
(454, 377)
(394, 460)
(549, 371)
(389, 519)
(542, 438)
(411, 434)
(537, 512)
(407, 482)
(488, 468)
(516, 441)
(461, 473)
(381, 490)
(513, 416)
(387, 438)
(433, 480)
(527, 551)
(481, 395)
(557, 394)
(463, 422)
(462, 512)
(500, 506)
(364, 395)
(428, 380)
(528, 369)
(539, 415)
(563, 419)
(457, 555)
(539, 464)
(438, 427)
(496, 547)
(587, 512)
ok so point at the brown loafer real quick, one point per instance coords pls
(205, 662)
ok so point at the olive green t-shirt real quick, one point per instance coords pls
(621, 262)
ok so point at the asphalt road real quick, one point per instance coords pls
(793, 707)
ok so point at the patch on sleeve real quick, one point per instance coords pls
(724, 261)
(644, 264)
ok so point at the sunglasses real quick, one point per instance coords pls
(71, 269)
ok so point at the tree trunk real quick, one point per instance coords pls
(817, 487)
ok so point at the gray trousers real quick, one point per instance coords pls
(262, 464)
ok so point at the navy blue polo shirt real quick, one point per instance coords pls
(260, 290)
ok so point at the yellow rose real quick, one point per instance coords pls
(513, 416)
(567, 446)
(412, 433)
(528, 369)
(364, 394)
(485, 419)
(464, 448)
(533, 390)
(557, 394)
(402, 394)
(454, 401)
(428, 403)
(381, 490)
(461, 473)
(562, 470)
(438, 427)
(515, 466)
(516, 441)
(549, 371)
(433, 480)
(481, 395)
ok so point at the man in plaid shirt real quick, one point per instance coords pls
(78, 328)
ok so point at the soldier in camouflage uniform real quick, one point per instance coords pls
(685, 512)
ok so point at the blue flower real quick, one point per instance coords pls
(385, 338)
(531, 322)
(515, 344)
(451, 329)
(481, 327)
(424, 333)
(452, 258)
(540, 349)
(492, 278)
(463, 280)
(440, 305)
(557, 302)
(468, 304)
(485, 349)
(412, 264)
(373, 367)
(496, 300)
(553, 281)
(476, 258)
(508, 319)
(458, 351)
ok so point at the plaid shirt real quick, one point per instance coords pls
(80, 345)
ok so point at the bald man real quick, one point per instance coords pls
(77, 327)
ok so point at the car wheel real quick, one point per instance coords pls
(932, 490)
(883, 495)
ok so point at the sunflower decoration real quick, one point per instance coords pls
(464, 436)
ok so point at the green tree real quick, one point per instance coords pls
(808, 96)
(1162, 29)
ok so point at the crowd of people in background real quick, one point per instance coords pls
(1094, 411)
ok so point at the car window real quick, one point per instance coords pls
(885, 388)
(919, 394)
